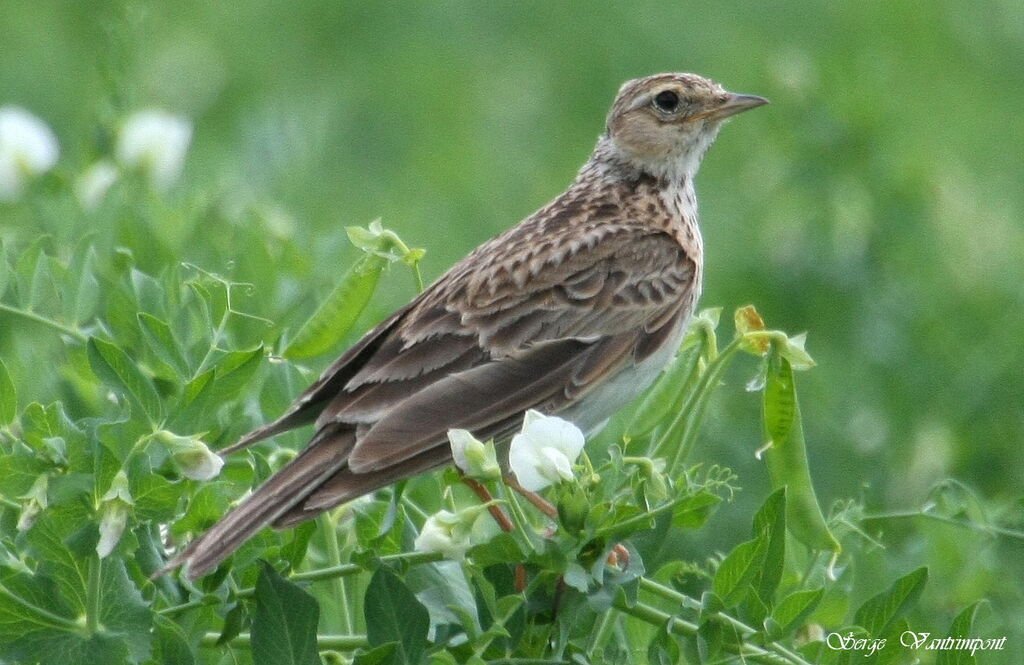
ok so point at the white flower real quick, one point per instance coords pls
(543, 452)
(475, 459)
(28, 148)
(452, 534)
(114, 508)
(192, 457)
(93, 184)
(155, 142)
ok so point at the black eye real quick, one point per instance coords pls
(667, 101)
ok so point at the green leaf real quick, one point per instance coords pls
(880, 611)
(156, 498)
(339, 312)
(19, 471)
(171, 643)
(663, 649)
(444, 591)
(694, 511)
(383, 654)
(737, 571)
(85, 287)
(284, 623)
(8, 397)
(394, 614)
(35, 278)
(216, 387)
(770, 524)
(961, 628)
(161, 340)
(119, 372)
(40, 616)
(795, 608)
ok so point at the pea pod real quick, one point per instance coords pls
(339, 312)
(786, 454)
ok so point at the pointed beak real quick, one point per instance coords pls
(738, 104)
(732, 105)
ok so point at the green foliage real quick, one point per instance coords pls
(395, 617)
(283, 623)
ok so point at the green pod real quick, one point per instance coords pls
(340, 311)
(786, 455)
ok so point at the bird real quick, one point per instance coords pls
(572, 312)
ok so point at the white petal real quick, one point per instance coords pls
(460, 439)
(524, 462)
(558, 466)
(532, 416)
(557, 433)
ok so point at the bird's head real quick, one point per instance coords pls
(663, 124)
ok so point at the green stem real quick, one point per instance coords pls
(603, 632)
(329, 527)
(214, 341)
(519, 517)
(346, 569)
(627, 524)
(46, 321)
(964, 524)
(679, 626)
(345, 642)
(175, 609)
(683, 430)
(418, 276)
(320, 574)
(10, 503)
(674, 596)
(92, 597)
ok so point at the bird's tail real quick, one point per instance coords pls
(289, 486)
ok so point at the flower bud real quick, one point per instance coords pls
(114, 508)
(452, 534)
(191, 456)
(543, 453)
(476, 459)
(33, 502)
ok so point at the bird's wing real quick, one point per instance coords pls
(537, 329)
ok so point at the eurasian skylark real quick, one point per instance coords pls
(573, 312)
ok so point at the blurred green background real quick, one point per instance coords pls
(877, 203)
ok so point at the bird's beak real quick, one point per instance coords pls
(732, 105)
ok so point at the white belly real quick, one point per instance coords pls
(593, 411)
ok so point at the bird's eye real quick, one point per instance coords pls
(667, 101)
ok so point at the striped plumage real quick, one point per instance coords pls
(573, 311)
